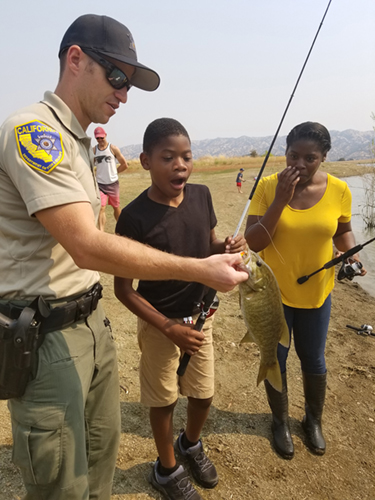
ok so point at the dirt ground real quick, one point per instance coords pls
(237, 435)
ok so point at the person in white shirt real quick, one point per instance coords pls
(106, 157)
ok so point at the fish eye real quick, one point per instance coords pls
(258, 263)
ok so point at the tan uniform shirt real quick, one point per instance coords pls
(45, 160)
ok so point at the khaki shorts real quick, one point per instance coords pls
(160, 357)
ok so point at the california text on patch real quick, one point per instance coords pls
(40, 146)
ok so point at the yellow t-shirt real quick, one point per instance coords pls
(302, 242)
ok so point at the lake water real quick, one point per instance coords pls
(362, 235)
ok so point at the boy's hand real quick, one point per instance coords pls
(235, 245)
(185, 337)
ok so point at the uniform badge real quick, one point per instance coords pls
(40, 146)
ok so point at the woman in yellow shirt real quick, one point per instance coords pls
(293, 219)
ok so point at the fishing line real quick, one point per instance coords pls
(266, 230)
(278, 128)
(272, 243)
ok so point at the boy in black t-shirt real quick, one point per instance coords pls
(179, 218)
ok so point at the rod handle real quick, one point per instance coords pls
(183, 364)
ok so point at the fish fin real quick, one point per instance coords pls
(272, 374)
(247, 338)
(285, 336)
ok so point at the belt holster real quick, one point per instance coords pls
(22, 331)
(19, 341)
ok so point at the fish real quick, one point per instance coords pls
(263, 314)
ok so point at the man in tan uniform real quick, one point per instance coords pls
(66, 424)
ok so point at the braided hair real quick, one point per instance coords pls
(160, 129)
(312, 131)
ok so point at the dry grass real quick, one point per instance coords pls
(275, 163)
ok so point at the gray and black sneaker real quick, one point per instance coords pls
(202, 469)
(177, 486)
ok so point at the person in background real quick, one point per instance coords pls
(294, 217)
(176, 217)
(106, 157)
(240, 180)
(66, 420)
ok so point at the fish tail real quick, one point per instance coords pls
(272, 374)
(285, 336)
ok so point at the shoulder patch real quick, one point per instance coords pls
(39, 145)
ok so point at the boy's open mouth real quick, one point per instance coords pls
(178, 183)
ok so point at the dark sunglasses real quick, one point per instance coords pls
(115, 76)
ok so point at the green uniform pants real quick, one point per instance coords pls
(66, 427)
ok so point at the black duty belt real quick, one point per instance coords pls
(61, 316)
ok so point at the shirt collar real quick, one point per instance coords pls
(65, 115)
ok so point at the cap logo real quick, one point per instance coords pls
(39, 145)
(132, 44)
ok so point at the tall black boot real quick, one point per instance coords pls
(278, 401)
(315, 392)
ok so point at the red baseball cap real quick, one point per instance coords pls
(99, 132)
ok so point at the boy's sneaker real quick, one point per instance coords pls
(177, 486)
(203, 470)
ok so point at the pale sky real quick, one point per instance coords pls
(227, 67)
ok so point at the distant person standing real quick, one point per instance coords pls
(240, 180)
(106, 157)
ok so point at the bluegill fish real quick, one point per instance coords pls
(263, 313)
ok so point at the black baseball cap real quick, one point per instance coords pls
(110, 38)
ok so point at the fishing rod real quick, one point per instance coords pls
(336, 260)
(211, 293)
(209, 305)
(278, 128)
(362, 330)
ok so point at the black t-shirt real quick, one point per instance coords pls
(183, 231)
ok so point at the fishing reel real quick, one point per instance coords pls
(349, 270)
(213, 307)
(363, 329)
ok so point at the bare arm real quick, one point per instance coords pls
(260, 229)
(73, 226)
(120, 158)
(344, 238)
(184, 336)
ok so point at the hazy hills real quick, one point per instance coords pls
(348, 144)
